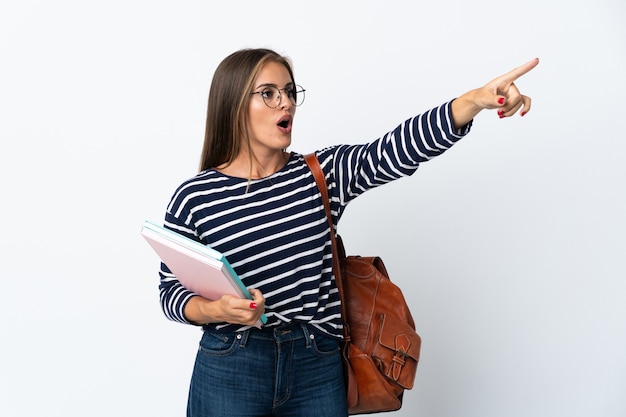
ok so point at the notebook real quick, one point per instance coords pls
(198, 267)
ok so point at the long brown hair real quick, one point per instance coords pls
(227, 116)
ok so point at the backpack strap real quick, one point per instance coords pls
(315, 167)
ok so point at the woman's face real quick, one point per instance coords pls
(270, 128)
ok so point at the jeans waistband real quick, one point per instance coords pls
(278, 334)
(283, 333)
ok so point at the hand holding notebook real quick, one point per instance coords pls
(199, 268)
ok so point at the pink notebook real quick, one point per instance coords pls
(199, 268)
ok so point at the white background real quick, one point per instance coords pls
(510, 248)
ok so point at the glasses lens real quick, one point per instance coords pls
(271, 96)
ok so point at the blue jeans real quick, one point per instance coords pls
(292, 370)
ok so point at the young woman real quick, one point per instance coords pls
(259, 205)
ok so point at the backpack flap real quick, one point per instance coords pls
(397, 351)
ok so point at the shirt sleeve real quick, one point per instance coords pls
(353, 169)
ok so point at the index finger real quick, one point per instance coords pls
(521, 70)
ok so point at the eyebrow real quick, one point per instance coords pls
(289, 84)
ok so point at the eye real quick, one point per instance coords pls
(269, 93)
(290, 92)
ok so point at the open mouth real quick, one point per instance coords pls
(284, 122)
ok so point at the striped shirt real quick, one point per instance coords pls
(274, 230)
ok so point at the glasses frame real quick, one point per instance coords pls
(297, 88)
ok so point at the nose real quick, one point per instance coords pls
(285, 101)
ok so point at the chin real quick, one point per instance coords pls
(285, 143)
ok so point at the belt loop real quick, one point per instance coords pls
(307, 334)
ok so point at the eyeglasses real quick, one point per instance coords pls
(272, 97)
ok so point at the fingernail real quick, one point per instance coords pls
(253, 306)
(523, 113)
(501, 100)
(500, 114)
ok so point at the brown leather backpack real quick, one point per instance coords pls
(381, 347)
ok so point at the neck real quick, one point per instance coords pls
(255, 167)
